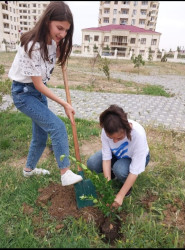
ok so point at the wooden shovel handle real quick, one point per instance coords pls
(75, 137)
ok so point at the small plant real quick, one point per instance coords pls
(95, 48)
(2, 70)
(104, 190)
(104, 66)
(164, 58)
(138, 61)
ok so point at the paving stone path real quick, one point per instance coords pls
(154, 110)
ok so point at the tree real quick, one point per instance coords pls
(104, 66)
(95, 48)
(178, 48)
(164, 59)
(138, 61)
(150, 57)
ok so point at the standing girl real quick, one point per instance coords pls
(125, 150)
(34, 62)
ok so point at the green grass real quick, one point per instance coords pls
(155, 90)
(145, 226)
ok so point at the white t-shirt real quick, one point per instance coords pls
(23, 67)
(137, 149)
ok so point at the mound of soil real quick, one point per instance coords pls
(63, 204)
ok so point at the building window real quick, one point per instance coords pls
(143, 12)
(124, 11)
(115, 11)
(106, 20)
(106, 11)
(141, 21)
(143, 40)
(123, 20)
(135, 3)
(144, 2)
(134, 12)
(114, 20)
(4, 7)
(96, 38)
(87, 38)
(142, 52)
(106, 39)
(133, 22)
(125, 2)
(107, 2)
(6, 25)
(132, 40)
(115, 2)
(5, 16)
(154, 42)
(86, 48)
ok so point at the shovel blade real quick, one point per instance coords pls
(86, 188)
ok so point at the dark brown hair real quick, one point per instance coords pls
(55, 11)
(113, 119)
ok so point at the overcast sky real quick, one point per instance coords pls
(170, 22)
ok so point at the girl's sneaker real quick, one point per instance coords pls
(70, 178)
(36, 171)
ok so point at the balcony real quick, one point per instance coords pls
(7, 30)
(119, 43)
(5, 11)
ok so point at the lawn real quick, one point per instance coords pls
(38, 212)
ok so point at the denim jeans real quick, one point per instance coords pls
(119, 168)
(34, 104)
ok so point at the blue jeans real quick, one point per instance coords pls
(34, 104)
(119, 168)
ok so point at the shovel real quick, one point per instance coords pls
(84, 187)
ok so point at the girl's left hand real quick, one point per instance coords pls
(117, 201)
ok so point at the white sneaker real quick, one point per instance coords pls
(36, 171)
(70, 178)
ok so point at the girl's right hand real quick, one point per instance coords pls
(70, 112)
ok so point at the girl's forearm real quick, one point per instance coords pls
(127, 185)
(107, 169)
(37, 81)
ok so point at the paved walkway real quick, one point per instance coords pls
(154, 110)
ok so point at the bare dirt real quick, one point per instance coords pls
(63, 204)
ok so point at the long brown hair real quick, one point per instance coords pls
(55, 11)
(113, 119)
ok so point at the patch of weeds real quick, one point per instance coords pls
(155, 91)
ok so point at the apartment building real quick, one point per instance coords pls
(120, 40)
(142, 14)
(17, 17)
